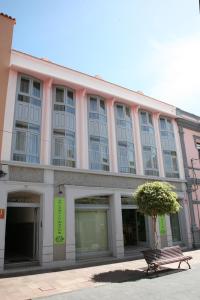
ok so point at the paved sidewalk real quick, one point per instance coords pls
(46, 284)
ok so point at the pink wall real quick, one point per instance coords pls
(191, 150)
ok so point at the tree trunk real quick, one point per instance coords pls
(154, 218)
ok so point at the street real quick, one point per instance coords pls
(182, 285)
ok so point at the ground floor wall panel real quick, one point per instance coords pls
(73, 186)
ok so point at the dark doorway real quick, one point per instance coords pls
(129, 227)
(21, 240)
(134, 228)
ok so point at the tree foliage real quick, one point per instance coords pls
(156, 198)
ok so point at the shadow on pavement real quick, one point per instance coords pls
(119, 276)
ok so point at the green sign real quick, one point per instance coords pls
(162, 225)
(59, 220)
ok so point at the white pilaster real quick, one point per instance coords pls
(9, 116)
(82, 130)
(47, 226)
(117, 226)
(158, 144)
(46, 123)
(70, 227)
(137, 140)
(112, 135)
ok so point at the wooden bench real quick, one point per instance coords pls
(157, 257)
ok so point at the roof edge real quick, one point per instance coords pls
(99, 79)
(8, 17)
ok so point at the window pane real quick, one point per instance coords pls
(59, 95)
(70, 98)
(128, 113)
(162, 124)
(24, 85)
(23, 125)
(36, 89)
(143, 117)
(59, 148)
(58, 107)
(35, 128)
(20, 144)
(36, 102)
(93, 104)
(150, 119)
(147, 158)
(102, 107)
(23, 98)
(120, 114)
(174, 163)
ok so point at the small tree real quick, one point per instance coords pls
(155, 199)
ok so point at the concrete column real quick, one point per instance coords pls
(158, 144)
(184, 222)
(82, 130)
(169, 231)
(47, 226)
(6, 151)
(112, 135)
(3, 205)
(137, 140)
(70, 227)
(117, 226)
(46, 123)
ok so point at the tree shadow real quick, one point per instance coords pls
(119, 276)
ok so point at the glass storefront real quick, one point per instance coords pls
(91, 231)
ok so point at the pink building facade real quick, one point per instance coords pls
(74, 148)
(189, 129)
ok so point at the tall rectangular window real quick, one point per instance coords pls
(149, 150)
(27, 123)
(168, 148)
(125, 146)
(64, 129)
(198, 148)
(98, 134)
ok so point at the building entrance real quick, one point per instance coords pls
(22, 232)
(134, 228)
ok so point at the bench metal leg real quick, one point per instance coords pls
(188, 264)
(151, 268)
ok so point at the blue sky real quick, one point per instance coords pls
(152, 46)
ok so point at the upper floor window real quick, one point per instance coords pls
(98, 134)
(198, 148)
(149, 150)
(168, 148)
(27, 123)
(64, 129)
(125, 146)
